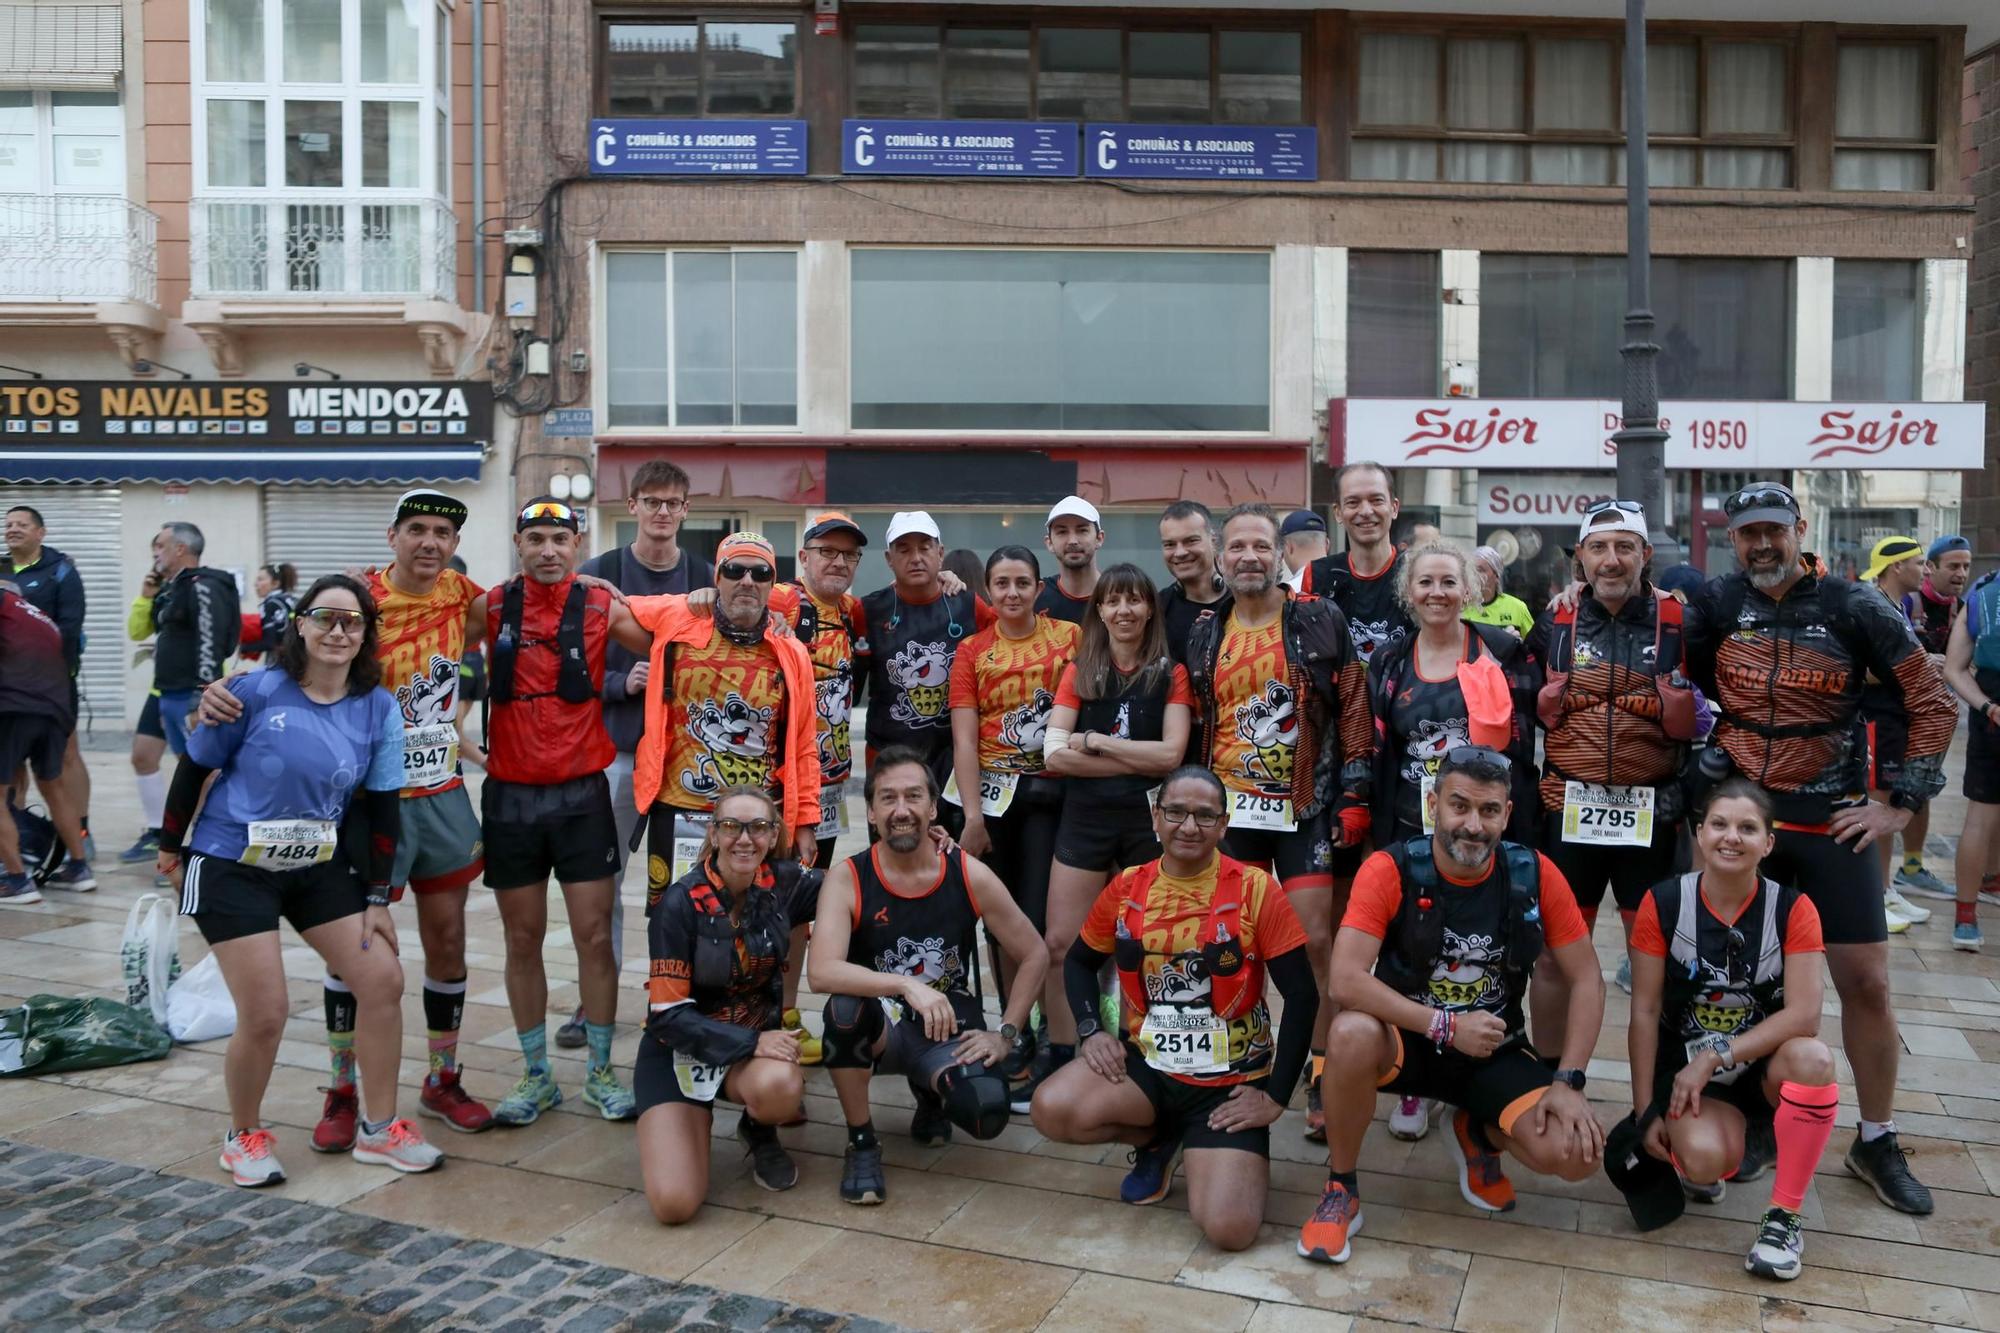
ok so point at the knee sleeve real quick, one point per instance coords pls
(976, 1099)
(853, 1025)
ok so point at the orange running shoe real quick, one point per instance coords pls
(1325, 1236)
(1480, 1178)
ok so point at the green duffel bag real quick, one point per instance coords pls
(54, 1033)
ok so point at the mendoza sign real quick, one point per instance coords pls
(697, 148)
(281, 412)
(957, 148)
(1202, 152)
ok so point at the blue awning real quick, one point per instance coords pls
(123, 463)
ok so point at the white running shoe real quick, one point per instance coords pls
(1897, 924)
(1904, 908)
(1780, 1247)
(249, 1159)
(1411, 1119)
(399, 1144)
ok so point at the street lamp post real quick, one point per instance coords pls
(1641, 444)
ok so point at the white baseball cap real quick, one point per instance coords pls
(1612, 516)
(912, 523)
(1074, 506)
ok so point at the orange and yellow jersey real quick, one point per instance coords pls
(421, 640)
(1012, 682)
(725, 721)
(1173, 972)
(839, 641)
(1256, 717)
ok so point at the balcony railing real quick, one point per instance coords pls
(316, 246)
(77, 247)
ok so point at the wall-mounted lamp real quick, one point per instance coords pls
(144, 367)
(305, 368)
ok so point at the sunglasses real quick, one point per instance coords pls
(729, 830)
(549, 509)
(327, 618)
(1478, 754)
(1176, 815)
(1622, 506)
(1766, 495)
(736, 569)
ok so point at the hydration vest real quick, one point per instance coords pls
(574, 684)
(1677, 708)
(715, 935)
(1678, 903)
(1418, 930)
(1235, 975)
(1985, 596)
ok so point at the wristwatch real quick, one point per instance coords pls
(1087, 1029)
(1010, 1033)
(1573, 1077)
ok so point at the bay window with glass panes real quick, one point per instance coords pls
(701, 339)
(323, 149)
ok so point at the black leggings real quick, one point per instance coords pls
(1022, 855)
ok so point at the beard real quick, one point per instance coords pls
(904, 839)
(1766, 577)
(1469, 850)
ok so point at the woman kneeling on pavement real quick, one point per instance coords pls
(1192, 935)
(319, 742)
(1726, 1001)
(719, 936)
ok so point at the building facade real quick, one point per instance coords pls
(249, 227)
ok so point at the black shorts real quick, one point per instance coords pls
(1024, 845)
(1888, 736)
(1302, 859)
(566, 828)
(1097, 836)
(1745, 1092)
(1630, 871)
(1982, 760)
(1182, 1109)
(149, 718)
(35, 741)
(654, 1082)
(1845, 885)
(1496, 1090)
(229, 900)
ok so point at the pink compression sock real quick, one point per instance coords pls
(1803, 1124)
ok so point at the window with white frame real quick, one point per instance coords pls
(322, 146)
(61, 143)
(701, 338)
(66, 231)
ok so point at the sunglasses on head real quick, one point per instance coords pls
(325, 618)
(549, 509)
(1622, 506)
(736, 569)
(1765, 495)
(1477, 754)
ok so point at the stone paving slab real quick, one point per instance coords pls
(100, 1245)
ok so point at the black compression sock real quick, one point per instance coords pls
(1348, 1179)
(861, 1135)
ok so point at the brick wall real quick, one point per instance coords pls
(1981, 138)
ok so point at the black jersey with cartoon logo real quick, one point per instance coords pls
(1376, 617)
(929, 937)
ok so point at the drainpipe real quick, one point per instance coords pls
(478, 154)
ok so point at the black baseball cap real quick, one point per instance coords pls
(434, 503)
(1301, 520)
(1761, 502)
(1652, 1188)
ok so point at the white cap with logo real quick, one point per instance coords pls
(1613, 516)
(1074, 506)
(912, 523)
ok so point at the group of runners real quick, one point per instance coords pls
(1218, 839)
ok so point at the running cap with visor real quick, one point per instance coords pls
(1944, 546)
(547, 511)
(1301, 520)
(746, 546)
(912, 523)
(1074, 506)
(1890, 551)
(434, 503)
(831, 521)
(1612, 516)
(1762, 502)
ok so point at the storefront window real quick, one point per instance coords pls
(701, 338)
(700, 68)
(1061, 340)
(1394, 316)
(1877, 329)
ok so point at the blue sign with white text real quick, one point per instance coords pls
(1202, 152)
(697, 148)
(957, 148)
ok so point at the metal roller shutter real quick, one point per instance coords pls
(325, 530)
(83, 523)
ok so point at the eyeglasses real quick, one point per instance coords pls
(736, 569)
(1478, 754)
(653, 504)
(327, 619)
(835, 554)
(1764, 495)
(1176, 815)
(541, 509)
(729, 830)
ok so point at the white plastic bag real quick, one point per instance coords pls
(148, 955)
(199, 1007)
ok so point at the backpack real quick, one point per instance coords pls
(1677, 706)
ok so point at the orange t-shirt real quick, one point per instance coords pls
(1179, 689)
(1256, 717)
(421, 641)
(1802, 928)
(1012, 683)
(724, 721)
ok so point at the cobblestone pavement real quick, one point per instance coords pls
(96, 1244)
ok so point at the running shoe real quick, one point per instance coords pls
(1709, 1194)
(1760, 1149)
(1924, 884)
(612, 1099)
(1904, 908)
(73, 875)
(1021, 1096)
(18, 890)
(770, 1165)
(1315, 1115)
(929, 1125)
(249, 1159)
(1966, 935)
(1882, 1165)
(861, 1178)
(1989, 896)
(444, 1099)
(1781, 1242)
(1326, 1236)
(338, 1120)
(399, 1144)
(571, 1035)
(1152, 1173)
(1411, 1119)
(147, 848)
(1480, 1178)
(810, 1051)
(1624, 978)
(525, 1102)
(1897, 925)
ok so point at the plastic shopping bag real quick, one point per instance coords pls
(148, 955)
(198, 1005)
(53, 1033)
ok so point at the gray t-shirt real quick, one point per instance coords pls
(625, 714)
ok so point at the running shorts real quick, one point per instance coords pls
(35, 741)
(229, 900)
(1105, 838)
(654, 1082)
(1982, 760)
(1888, 736)
(1182, 1109)
(1845, 885)
(149, 717)
(1496, 1090)
(440, 847)
(1302, 859)
(1745, 1092)
(532, 830)
(1630, 871)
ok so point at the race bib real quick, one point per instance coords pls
(1272, 814)
(698, 1082)
(289, 844)
(832, 814)
(1607, 816)
(689, 831)
(1185, 1041)
(1424, 805)
(996, 792)
(1718, 1043)
(430, 754)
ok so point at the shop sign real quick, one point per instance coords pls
(957, 148)
(1202, 152)
(247, 414)
(1575, 434)
(697, 148)
(1541, 498)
